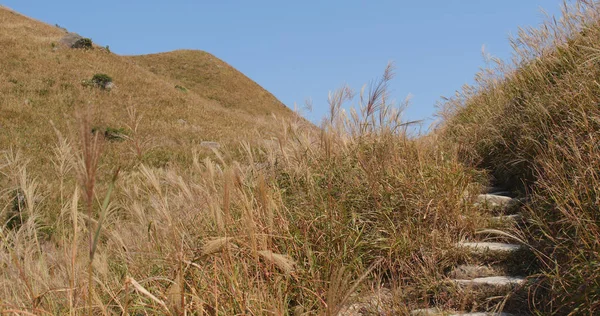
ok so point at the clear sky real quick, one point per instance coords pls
(302, 49)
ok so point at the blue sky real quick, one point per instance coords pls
(303, 49)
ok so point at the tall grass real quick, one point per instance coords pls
(534, 124)
(304, 223)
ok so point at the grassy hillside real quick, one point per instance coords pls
(302, 224)
(41, 82)
(294, 225)
(213, 79)
(534, 124)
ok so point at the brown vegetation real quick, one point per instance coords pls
(138, 218)
(534, 124)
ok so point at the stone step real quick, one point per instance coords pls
(496, 201)
(376, 303)
(481, 314)
(467, 271)
(493, 281)
(498, 191)
(485, 247)
(439, 312)
(503, 225)
(427, 312)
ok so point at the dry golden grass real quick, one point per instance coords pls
(294, 224)
(41, 85)
(534, 123)
(284, 218)
(213, 79)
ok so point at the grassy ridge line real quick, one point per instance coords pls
(213, 79)
(535, 124)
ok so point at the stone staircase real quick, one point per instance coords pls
(493, 281)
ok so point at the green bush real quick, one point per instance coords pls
(62, 28)
(115, 134)
(181, 88)
(102, 81)
(84, 43)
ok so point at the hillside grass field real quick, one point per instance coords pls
(41, 89)
(110, 205)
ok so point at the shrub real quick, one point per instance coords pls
(102, 81)
(181, 88)
(84, 43)
(62, 28)
(115, 134)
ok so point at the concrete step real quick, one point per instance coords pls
(481, 314)
(486, 247)
(376, 303)
(467, 271)
(496, 201)
(439, 312)
(428, 312)
(498, 191)
(493, 281)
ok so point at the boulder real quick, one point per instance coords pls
(70, 39)
(74, 40)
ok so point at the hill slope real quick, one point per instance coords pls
(213, 79)
(301, 227)
(535, 125)
(41, 82)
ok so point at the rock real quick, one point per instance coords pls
(70, 39)
(108, 86)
